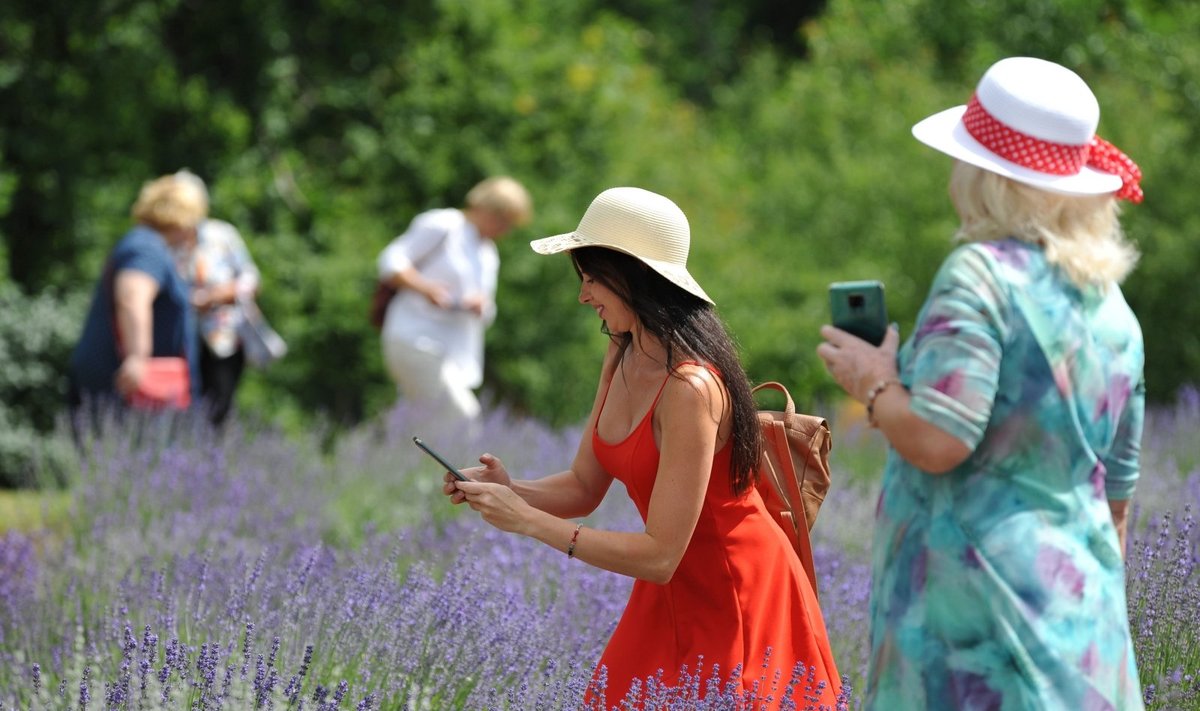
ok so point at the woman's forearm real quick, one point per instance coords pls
(637, 555)
(407, 278)
(563, 495)
(925, 446)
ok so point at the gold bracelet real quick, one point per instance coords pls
(874, 393)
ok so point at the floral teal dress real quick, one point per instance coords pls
(1000, 584)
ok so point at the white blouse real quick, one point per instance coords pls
(446, 248)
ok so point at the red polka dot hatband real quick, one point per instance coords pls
(1034, 121)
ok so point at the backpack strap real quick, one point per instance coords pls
(791, 481)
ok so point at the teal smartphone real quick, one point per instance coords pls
(440, 459)
(858, 307)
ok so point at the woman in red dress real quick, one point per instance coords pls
(717, 583)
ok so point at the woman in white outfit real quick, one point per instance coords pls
(445, 267)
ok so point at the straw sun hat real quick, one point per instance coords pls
(1035, 122)
(639, 223)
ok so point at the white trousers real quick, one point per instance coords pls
(424, 378)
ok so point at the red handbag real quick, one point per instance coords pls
(165, 385)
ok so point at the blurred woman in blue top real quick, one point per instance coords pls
(141, 305)
(1014, 415)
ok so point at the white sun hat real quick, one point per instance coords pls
(1035, 122)
(639, 223)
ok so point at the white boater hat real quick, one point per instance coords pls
(1035, 122)
(639, 223)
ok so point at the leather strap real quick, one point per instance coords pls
(799, 519)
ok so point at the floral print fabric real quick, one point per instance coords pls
(1000, 584)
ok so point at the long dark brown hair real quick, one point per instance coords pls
(690, 329)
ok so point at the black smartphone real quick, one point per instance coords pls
(440, 459)
(858, 307)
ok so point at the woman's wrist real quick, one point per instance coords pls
(229, 293)
(574, 541)
(877, 389)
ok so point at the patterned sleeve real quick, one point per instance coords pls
(231, 249)
(954, 365)
(1123, 464)
(244, 266)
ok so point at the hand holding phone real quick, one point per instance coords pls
(440, 459)
(857, 307)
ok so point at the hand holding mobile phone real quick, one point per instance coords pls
(858, 308)
(440, 459)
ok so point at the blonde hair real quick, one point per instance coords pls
(504, 196)
(170, 202)
(1081, 234)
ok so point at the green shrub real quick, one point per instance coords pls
(36, 336)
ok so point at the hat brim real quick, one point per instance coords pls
(945, 132)
(574, 240)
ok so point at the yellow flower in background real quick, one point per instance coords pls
(581, 77)
(524, 103)
(593, 37)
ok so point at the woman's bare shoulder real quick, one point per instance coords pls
(696, 386)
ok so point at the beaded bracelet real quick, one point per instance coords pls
(874, 393)
(571, 545)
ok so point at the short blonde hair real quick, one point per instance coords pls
(169, 202)
(1081, 234)
(504, 196)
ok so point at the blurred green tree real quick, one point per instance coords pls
(323, 126)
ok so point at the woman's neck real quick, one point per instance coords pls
(645, 350)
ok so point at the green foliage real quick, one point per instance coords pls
(323, 128)
(36, 336)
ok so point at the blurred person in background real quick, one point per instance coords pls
(716, 580)
(1014, 415)
(224, 278)
(141, 304)
(445, 267)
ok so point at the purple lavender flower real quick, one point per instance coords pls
(219, 542)
(85, 695)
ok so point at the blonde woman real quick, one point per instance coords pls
(1014, 415)
(445, 266)
(140, 307)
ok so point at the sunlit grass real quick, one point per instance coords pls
(31, 511)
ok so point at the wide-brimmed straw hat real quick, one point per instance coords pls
(1035, 122)
(639, 223)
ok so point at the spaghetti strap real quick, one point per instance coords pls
(662, 387)
(657, 397)
(671, 372)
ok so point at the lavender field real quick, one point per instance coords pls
(258, 571)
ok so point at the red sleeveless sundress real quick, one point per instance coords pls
(738, 591)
